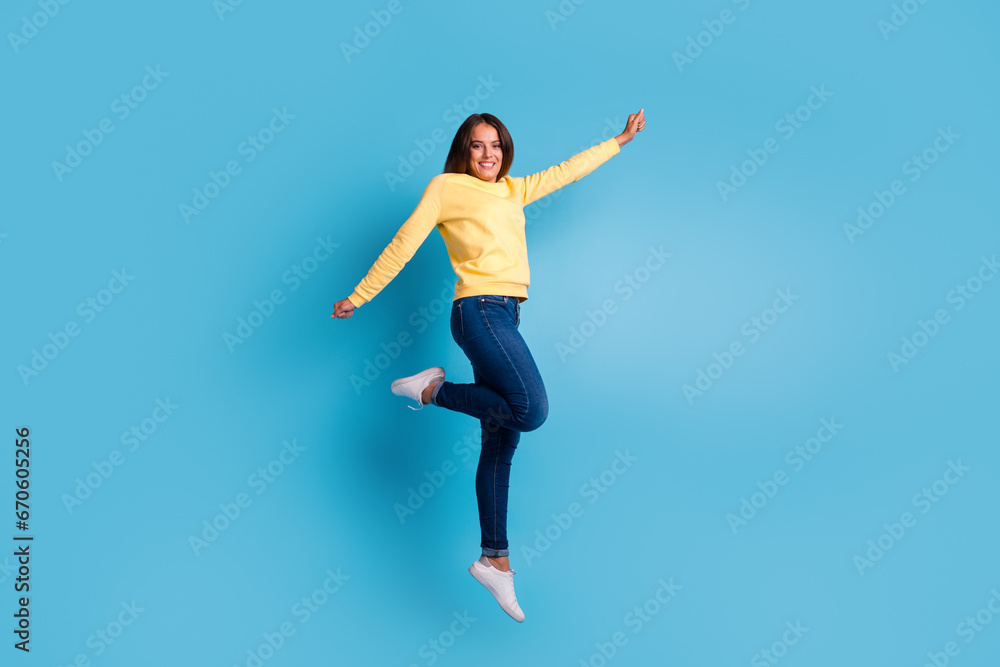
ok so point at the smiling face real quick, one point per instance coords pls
(485, 153)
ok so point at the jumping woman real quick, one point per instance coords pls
(478, 209)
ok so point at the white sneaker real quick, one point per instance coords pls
(413, 386)
(500, 584)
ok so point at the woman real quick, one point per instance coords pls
(478, 209)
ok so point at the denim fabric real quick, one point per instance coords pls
(508, 397)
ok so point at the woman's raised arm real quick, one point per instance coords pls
(546, 182)
(399, 251)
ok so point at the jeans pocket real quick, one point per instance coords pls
(497, 309)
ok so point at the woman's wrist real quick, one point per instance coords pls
(621, 140)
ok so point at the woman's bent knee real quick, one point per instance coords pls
(535, 416)
(527, 411)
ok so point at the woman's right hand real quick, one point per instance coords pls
(343, 309)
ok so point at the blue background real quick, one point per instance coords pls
(558, 81)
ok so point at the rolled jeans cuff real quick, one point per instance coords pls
(495, 553)
(434, 393)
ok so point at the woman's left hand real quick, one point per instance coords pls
(636, 121)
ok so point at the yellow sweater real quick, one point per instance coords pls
(482, 224)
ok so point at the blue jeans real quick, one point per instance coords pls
(507, 397)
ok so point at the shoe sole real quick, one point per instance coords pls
(474, 571)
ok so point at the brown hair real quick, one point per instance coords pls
(458, 156)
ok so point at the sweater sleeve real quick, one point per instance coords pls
(545, 182)
(403, 245)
